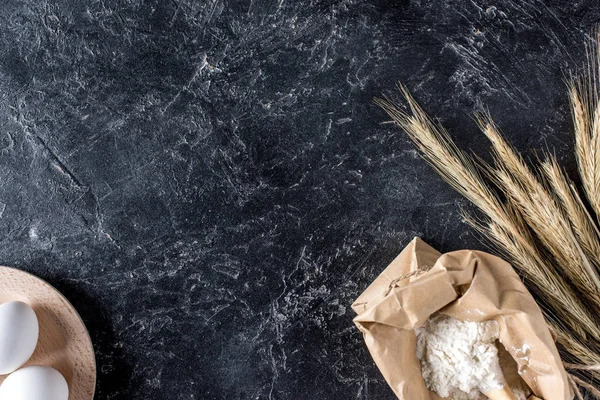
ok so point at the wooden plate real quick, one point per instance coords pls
(64, 342)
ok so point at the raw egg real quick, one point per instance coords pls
(34, 383)
(19, 330)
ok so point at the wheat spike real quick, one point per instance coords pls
(560, 301)
(540, 209)
(585, 109)
(438, 150)
(510, 234)
(543, 227)
(583, 225)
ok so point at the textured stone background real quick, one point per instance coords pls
(210, 185)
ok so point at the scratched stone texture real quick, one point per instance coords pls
(211, 186)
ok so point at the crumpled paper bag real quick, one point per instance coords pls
(466, 285)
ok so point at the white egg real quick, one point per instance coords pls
(19, 330)
(34, 383)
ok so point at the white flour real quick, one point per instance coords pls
(459, 359)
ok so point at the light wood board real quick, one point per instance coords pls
(64, 342)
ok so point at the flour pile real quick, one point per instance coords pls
(459, 359)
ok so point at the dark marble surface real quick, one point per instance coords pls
(211, 186)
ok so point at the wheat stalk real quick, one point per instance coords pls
(505, 227)
(443, 155)
(541, 211)
(545, 234)
(552, 228)
(583, 96)
(582, 222)
(558, 302)
(542, 226)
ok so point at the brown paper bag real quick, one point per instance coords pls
(466, 285)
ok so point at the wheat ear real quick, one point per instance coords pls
(543, 214)
(585, 108)
(583, 225)
(460, 172)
